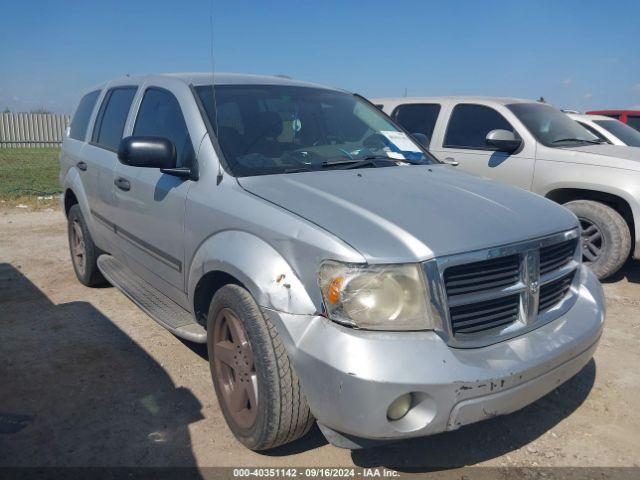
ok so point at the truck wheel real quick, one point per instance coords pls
(257, 389)
(606, 239)
(84, 253)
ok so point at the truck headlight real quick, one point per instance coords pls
(376, 297)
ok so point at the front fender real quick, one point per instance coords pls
(255, 263)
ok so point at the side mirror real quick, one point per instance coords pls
(147, 152)
(421, 138)
(151, 152)
(503, 140)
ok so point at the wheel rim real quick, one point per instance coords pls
(592, 241)
(78, 248)
(235, 369)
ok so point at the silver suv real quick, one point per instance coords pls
(537, 147)
(335, 269)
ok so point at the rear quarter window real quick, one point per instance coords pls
(80, 121)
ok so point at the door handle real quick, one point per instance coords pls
(82, 166)
(451, 161)
(122, 184)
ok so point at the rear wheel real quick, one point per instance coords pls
(606, 239)
(84, 253)
(257, 389)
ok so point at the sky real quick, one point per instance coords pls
(576, 54)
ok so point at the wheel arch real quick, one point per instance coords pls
(242, 258)
(206, 288)
(613, 200)
(70, 199)
(74, 193)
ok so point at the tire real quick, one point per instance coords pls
(282, 414)
(84, 253)
(610, 233)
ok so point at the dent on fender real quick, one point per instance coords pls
(261, 268)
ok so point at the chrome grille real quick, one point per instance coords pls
(556, 256)
(485, 315)
(500, 292)
(553, 292)
(480, 276)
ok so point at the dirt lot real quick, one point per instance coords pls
(87, 379)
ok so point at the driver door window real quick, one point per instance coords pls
(470, 124)
(160, 116)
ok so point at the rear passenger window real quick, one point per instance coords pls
(418, 117)
(469, 125)
(112, 116)
(160, 116)
(80, 121)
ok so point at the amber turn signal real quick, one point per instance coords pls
(335, 287)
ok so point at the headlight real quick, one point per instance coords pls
(376, 297)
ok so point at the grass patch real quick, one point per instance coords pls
(28, 172)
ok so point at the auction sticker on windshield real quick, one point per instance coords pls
(401, 140)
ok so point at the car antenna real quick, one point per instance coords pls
(213, 90)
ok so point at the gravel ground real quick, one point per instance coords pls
(87, 379)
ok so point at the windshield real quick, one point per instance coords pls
(628, 135)
(550, 126)
(266, 129)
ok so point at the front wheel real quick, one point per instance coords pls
(606, 239)
(257, 389)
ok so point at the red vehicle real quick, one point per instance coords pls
(630, 117)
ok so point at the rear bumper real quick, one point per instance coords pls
(351, 377)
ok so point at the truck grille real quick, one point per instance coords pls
(480, 276)
(510, 291)
(556, 256)
(553, 292)
(480, 316)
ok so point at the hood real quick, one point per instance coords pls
(615, 156)
(412, 213)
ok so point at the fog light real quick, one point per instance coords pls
(399, 407)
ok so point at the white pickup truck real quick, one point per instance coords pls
(537, 147)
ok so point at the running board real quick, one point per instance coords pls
(152, 301)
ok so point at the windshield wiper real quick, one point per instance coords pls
(595, 142)
(347, 163)
(369, 161)
(297, 170)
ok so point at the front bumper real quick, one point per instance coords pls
(350, 377)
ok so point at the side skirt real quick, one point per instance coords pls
(153, 302)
